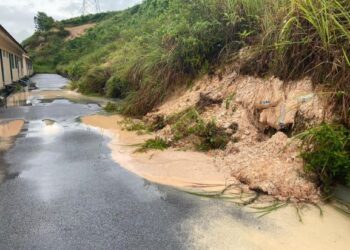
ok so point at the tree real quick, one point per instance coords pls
(43, 22)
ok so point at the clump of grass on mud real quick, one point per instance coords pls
(185, 123)
(189, 123)
(157, 143)
(212, 137)
(139, 126)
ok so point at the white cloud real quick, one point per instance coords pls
(17, 16)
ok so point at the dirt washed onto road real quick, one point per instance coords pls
(170, 167)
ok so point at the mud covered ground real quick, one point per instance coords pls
(70, 183)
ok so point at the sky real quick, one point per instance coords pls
(17, 15)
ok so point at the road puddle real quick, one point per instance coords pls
(47, 130)
(10, 128)
(8, 131)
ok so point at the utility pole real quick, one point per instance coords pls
(90, 7)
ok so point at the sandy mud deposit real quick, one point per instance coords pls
(280, 231)
(170, 167)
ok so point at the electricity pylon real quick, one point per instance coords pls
(90, 7)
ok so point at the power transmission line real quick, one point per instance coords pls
(90, 7)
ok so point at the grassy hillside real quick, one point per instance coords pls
(143, 53)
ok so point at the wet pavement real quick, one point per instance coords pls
(63, 191)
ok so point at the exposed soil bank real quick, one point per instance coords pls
(264, 114)
(78, 31)
(170, 167)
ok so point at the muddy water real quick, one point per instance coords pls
(61, 189)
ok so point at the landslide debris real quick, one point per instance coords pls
(259, 116)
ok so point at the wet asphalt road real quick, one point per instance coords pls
(65, 192)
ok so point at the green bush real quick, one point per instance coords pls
(94, 82)
(116, 88)
(75, 70)
(326, 152)
(186, 123)
(189, 122)
(112, 107)
(212, 137)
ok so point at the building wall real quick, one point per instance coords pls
(15, 63)
(2, 73)
(27, 66)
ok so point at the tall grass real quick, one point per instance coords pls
(301, 38)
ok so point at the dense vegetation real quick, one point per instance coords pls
(326, 151)
(43, 22)
(142, 54)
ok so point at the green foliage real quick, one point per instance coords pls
(155, 144)
(91, 18)
(135, 125)
(94, 81)
(315, 36)
(152, 47)
(212, 137)
(44, 68)
(112, 107)
(116, 88)
(43, 22)
(301, 38)
(186, 123)
(326, 152)
(209, 134)
(160, 44)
